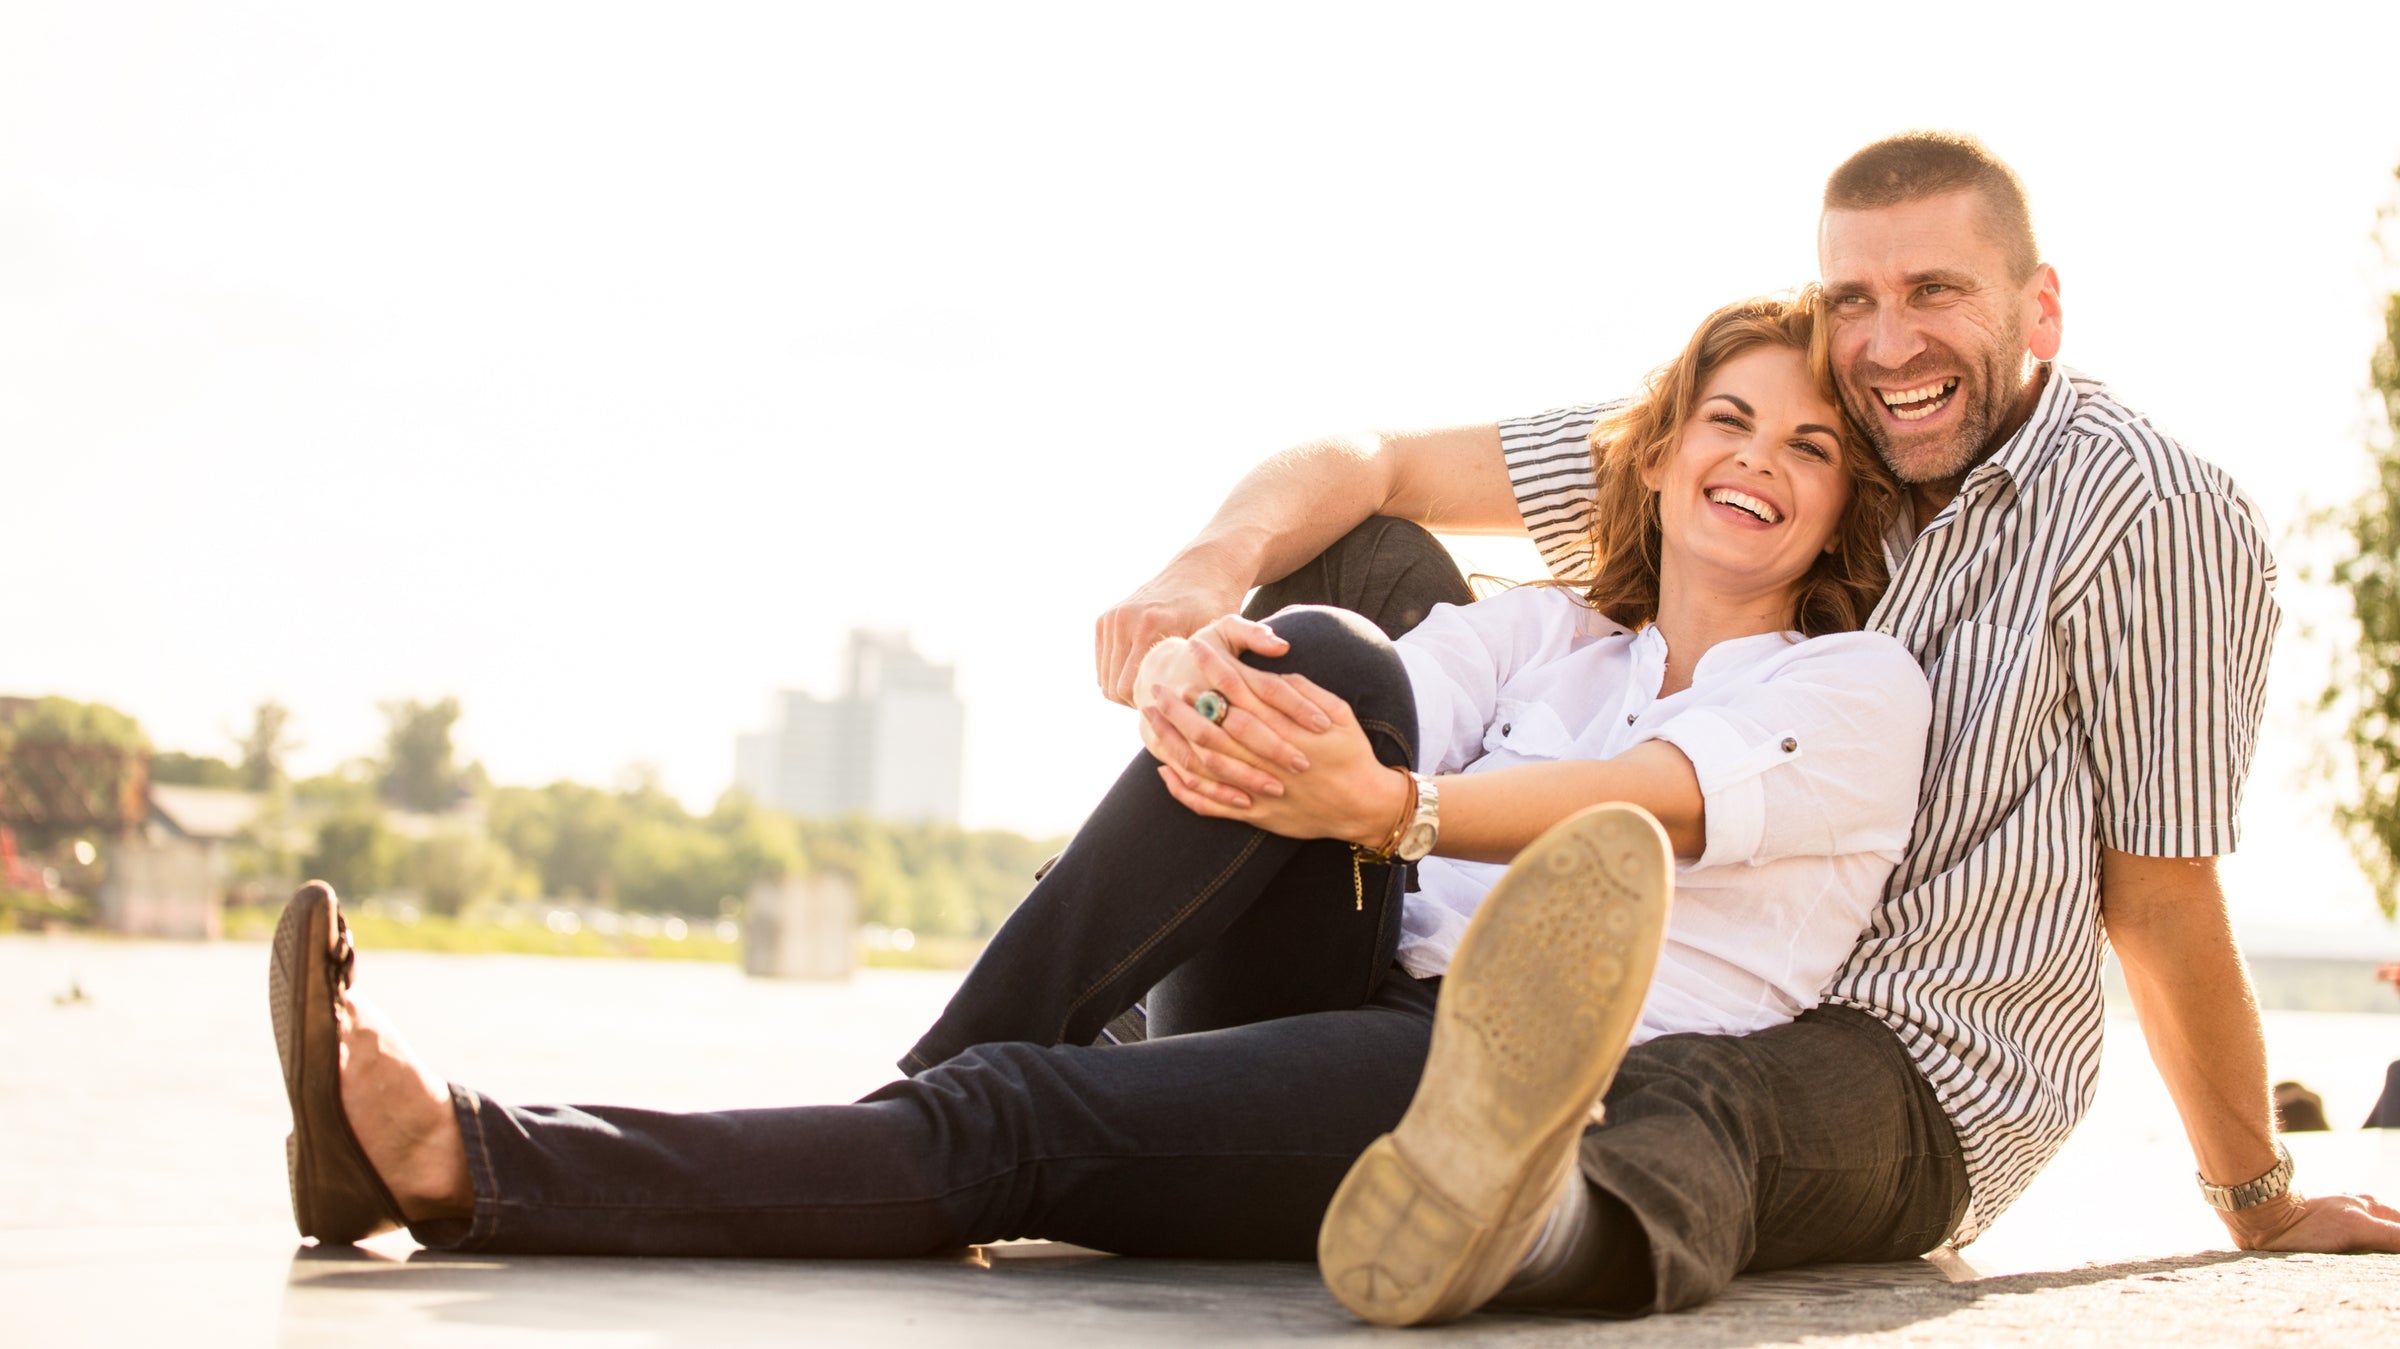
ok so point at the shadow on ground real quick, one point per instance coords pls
(1037, 1296)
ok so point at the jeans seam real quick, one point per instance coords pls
(1407, 750)
(484, 1223)
(1175, 921)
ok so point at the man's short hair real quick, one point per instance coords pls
(1915, 165)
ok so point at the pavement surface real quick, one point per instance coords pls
(141, 1195)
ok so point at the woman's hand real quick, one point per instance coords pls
(1252, 752)
(1344, 792)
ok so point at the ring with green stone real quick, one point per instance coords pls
(1212, 705)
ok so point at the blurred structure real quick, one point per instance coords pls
(890, 746)
(801, 927)
(2299, 1110)
(167, 877)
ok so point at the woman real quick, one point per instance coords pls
(1255, 888)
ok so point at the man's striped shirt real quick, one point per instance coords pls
(2094, 612)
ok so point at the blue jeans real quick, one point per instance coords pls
(1283, 1044)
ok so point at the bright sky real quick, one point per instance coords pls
(601, 364)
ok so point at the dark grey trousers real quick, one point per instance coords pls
(1810, 1142)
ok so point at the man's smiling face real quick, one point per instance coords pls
(1934, 343)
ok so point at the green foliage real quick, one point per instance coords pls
(263, 749)
(31, 910)
(937, 880)
(452, 869)
(419, 772)
(355, 852)
(2366, 682)
(194, 770)
(565, 832)
(63, 721)
(635, 849)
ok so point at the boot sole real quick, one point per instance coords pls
(1536, 1007)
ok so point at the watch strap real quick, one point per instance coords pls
(2251, 1193)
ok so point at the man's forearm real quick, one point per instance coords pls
(1297, 502)
(2167, 921)
(1287, 510)
(1294, 506)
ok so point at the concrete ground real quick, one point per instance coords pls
(141, 1197)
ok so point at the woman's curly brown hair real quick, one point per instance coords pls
(1631, 442)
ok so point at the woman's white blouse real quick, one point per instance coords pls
(1808, 753)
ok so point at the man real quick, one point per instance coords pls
(2092, 606)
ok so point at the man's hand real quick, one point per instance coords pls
(2338, 1224)
(2168, 922)
(1174, 603)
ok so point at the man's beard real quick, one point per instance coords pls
(1987, 399)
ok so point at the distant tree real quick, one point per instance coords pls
(194, 770)
(453, 868)
(67, 768)
(2366, 679)
(354, 852)
(63, 721)
(264, 748)
(419, 768)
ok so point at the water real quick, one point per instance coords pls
(157, 1101)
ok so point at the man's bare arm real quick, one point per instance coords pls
(1291, 508)
(2167, 919)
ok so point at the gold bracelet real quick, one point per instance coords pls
(1382, 856)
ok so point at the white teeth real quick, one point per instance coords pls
(1726, 496)
(1938, 390)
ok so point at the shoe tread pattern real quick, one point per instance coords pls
(1537, 1005)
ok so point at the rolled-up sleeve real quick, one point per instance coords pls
(1820, 759)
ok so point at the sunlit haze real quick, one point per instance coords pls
(602, 365)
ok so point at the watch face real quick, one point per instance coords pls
(1417, 842)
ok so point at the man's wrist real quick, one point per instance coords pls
(1225, 563)
(2254, 1227)
(2270, 1185)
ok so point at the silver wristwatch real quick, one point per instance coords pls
(1425, 825)
(2251, 1193)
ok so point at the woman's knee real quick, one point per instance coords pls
(1331, 646)
(1348, 656)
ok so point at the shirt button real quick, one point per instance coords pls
(1507, 729)
(1629, 718)
(1790, 744)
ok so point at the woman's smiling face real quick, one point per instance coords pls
(1756, 485)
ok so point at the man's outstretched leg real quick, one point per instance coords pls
(1223, 1145)
(1535, 1012)
(406, 1160)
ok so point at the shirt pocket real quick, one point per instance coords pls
(1527, 730)
(1976, 686)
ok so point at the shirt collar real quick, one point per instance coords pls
(2018, 459)
(2038, 440)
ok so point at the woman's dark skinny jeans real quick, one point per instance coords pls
(1283, 1042)
(1227, 1134)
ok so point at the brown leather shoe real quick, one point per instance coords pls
(1535, 1011)
(336, 1195)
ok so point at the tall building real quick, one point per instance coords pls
(890, 746)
